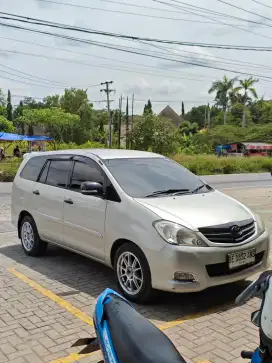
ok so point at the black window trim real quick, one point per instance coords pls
(88, 160)
(62, 157)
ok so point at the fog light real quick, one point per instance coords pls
(185, 276)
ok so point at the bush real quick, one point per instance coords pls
(8, 169)
(210, 164)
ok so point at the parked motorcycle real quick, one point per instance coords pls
(125, 336)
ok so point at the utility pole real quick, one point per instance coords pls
(132, 118)
(107, 90)
(120, 121)
(127, 130)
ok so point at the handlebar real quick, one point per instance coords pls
(246, 355)
(255, 289)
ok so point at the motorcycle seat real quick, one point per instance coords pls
(136, 339)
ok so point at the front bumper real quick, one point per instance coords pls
(208, 264)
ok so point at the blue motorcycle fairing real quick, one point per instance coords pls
(102, 328)
(103, 298)
(256, 357)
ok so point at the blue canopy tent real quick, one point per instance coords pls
(4, 136)
(8, 137)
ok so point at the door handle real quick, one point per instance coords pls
(68, 201)
(36, 192)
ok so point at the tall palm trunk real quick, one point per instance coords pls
(225, 116)
(244, 117)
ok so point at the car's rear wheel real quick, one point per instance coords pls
(31, 242)
(133, 273)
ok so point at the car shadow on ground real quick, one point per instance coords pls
(70, 274)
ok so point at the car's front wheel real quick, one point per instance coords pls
(31, 242)
(133, 273)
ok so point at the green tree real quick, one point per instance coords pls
(154, 133)
(73, 99)
(223, 89)
(246, 89)
(148, 108)
(52, 101)
(2, 98)
(188, 128)
(261, 111)
(6, 125)
(182, 109)
(3, 111)
(9, 107)
(59, 124)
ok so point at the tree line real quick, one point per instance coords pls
(70, 117)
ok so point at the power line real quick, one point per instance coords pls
(144, 54)
(28, 74)
(131, 13)
(30, 84)
(259, 2)
(212, 12)
(112, 59)
(214, 58)
(129, 70)
(35, 21)
(157, 9)
(218, 21)
(245, 10)
(127, 13)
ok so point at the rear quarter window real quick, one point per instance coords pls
(33, 167)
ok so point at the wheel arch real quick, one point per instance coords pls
(117, 244)
(23, 214)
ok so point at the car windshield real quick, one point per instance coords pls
(148, 177)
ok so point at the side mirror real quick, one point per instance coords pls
(255, 318)
(91, 188)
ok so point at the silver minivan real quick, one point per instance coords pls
(150, 219)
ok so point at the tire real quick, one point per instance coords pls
(138, 272)
(30, 239)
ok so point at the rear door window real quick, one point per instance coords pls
(33, 167)
(58, 173)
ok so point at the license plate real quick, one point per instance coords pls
(242, 258)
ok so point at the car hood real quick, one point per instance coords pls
(198, 210)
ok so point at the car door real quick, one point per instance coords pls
(49, 192)
(84, 216)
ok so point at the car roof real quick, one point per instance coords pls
(101, 153)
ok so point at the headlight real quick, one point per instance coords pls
(176, 234)
(260, 224)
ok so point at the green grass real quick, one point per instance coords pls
(8, 169)
(198, 164)
(211, 164)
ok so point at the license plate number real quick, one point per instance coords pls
(242, 258)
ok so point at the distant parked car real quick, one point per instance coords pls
(150, 219)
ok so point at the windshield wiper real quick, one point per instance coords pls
(167, 191)
(199, 188)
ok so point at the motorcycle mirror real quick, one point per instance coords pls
(255, 318)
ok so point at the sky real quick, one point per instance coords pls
(38, 65)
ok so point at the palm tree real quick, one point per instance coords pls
(222, 97)
(188, 128)
(248, 90)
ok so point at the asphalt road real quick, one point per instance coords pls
(231, 181)
(237, 181)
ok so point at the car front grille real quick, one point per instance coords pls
(222, 269)
(235, 232)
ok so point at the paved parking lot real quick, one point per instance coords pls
(47, 303)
